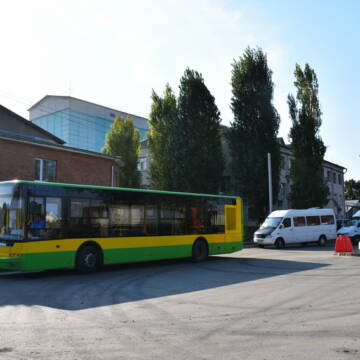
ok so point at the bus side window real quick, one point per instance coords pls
(54, 217)
(36, 220)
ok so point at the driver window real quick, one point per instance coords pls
(286, 222)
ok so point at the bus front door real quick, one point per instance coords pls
(233, 226)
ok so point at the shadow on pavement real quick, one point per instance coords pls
(125, 283)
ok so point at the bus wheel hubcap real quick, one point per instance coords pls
(90, 260)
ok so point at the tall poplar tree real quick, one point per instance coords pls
(352, 189)
(124, 140)
(308, 185)
(162, 122)
(197, 159)
(253, 133)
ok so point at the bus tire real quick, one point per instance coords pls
(88, 258)
(200, 250)
(322, 240)
(280, 243)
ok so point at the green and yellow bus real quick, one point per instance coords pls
(52, 225)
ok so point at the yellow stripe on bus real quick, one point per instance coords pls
(114, 243)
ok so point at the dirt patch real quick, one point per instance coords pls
(6, 350)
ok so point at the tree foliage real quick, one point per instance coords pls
(308, 185)
(162, 122)
(198, 159)
(184, 139)
(253, 132)
(124, 141)
(352, 190)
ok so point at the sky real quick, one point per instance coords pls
(114, 53)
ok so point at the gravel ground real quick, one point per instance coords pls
(296, 303)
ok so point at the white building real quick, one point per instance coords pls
(333, 174)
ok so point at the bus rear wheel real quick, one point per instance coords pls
(200, 250)
(88, 259)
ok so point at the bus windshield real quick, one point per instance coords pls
(271, 222)
(11, 213)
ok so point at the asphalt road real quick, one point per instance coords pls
(296, 303)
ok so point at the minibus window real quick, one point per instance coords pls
(299, 221)
(313, 220)
(286, 222)
(271, 222)
(327, 220)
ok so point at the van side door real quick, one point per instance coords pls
(287, 230)
(300, 229)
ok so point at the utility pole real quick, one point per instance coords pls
(270, 183)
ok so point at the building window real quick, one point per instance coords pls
(142, 164)
(282, 162)
(334, 178)
(339, 178)
(329, 176)
(45, 170)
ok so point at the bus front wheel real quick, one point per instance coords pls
(88, 259)
(200, 250)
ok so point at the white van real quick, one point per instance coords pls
(283, 227)
(352, 229)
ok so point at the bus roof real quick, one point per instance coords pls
(114, 188)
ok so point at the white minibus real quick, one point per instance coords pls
(284, 227)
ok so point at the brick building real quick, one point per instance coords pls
(28, 152)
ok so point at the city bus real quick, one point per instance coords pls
(53, 225)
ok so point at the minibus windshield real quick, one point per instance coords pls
(271, 222)
(11, 213)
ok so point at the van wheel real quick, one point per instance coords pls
(279, 243)
(322, 240)
(88, 259)
(200, 250)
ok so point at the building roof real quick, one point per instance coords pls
(31, 125)
(84, 101)
(289, 148)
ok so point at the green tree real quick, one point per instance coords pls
(162, 122)
(124, 141)
(253, 132)
(352, 190)
(308, 185)
(197, 160)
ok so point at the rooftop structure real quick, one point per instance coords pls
(81, 124)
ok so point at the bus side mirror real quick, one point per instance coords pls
(282, 226)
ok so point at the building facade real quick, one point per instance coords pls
(28, 152)
(333, 175)
(81, 124)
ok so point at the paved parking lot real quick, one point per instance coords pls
(296, 303)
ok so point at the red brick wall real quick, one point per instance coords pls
(17, 161)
